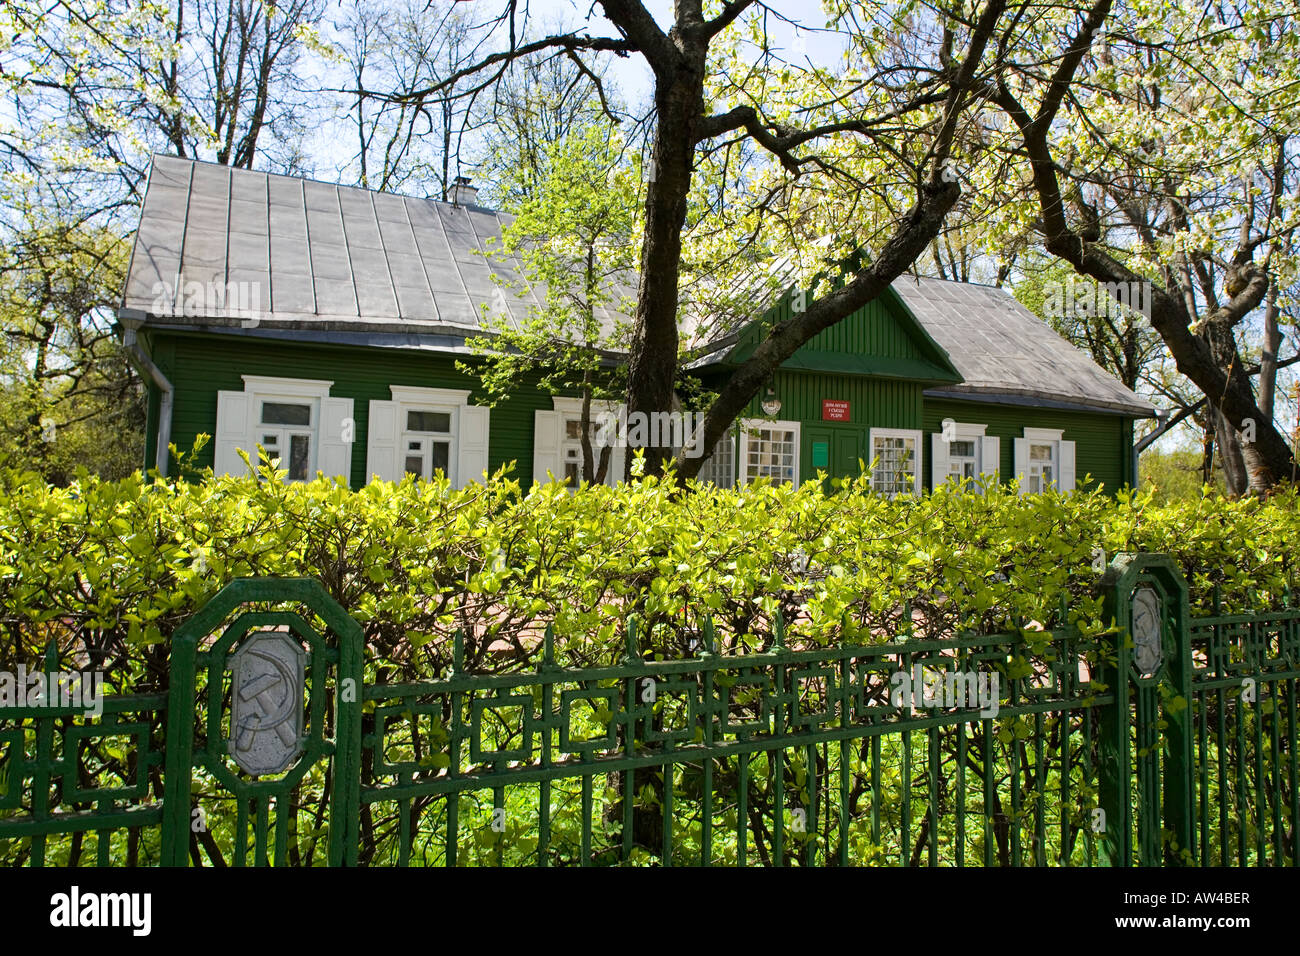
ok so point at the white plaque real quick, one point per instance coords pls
(266, 715)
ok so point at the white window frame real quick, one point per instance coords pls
(917, 439)
(571, 408)
(387, 436)
(1043, 436)
(749, 425)
(415, 399)
(427, 439)
(714, 468)
(941, 451)
(261, 389)
(971, 432)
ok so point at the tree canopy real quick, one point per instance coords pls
(1121, 144)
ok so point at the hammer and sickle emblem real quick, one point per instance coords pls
(266, 725)
(269, 694)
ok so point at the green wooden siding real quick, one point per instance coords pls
(1104, 443)
(872, 401)
(201, 365)
(872, 330)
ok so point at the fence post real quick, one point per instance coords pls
(1145, 745)
(343, 657)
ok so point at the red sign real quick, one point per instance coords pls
(834, 411)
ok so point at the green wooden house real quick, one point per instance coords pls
(324, 324)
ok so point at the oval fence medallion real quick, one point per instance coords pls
(266, 715)
(1147, 652)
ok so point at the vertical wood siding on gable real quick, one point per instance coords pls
(871, 330)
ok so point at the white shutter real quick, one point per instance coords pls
(938, 460)
(232, 434)
(990, 457)
(546, 445)
(617, 462)
(1066, 480)
(1020, 461)
(336, 434)
(381, 442)
(618, 452)
(472, 456)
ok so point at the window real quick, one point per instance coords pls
(720, 467)
(963, 458)
(1044, 459)
(424, 431)
(427, 441)
(960, 451)
(557, 441)
(896, 454)
(1042, 465)
(285, 433)
(571, 447)
(294, 420)
(769, 450)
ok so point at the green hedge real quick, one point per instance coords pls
(112, 568)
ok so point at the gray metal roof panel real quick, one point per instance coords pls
(249, 252)
(165, 202)
(290, 256)
(170, 171)
(249, 187)
(336, 257)
(292, 294)
(1000, 347)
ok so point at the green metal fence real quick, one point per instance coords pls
(1171, 742)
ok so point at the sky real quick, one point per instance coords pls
(633, 76)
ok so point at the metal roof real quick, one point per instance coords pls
(326, 260)
(1003, 349)
(295, 253)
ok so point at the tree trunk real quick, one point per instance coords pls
(1207, 449)
(1268, 359)
(652, 364)
(1230, 455)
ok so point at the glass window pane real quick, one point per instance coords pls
(415, 465)
(573, 429)
(1040, 452)
(961, 449)
(441, 456)
(719, 467)
(894, 472)
(299, 455)
(770, 453)
(428, 422)
(284, 413)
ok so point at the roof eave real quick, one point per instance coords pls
(1003, 395)
(342, 330)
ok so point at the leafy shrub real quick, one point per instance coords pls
(113, 567)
